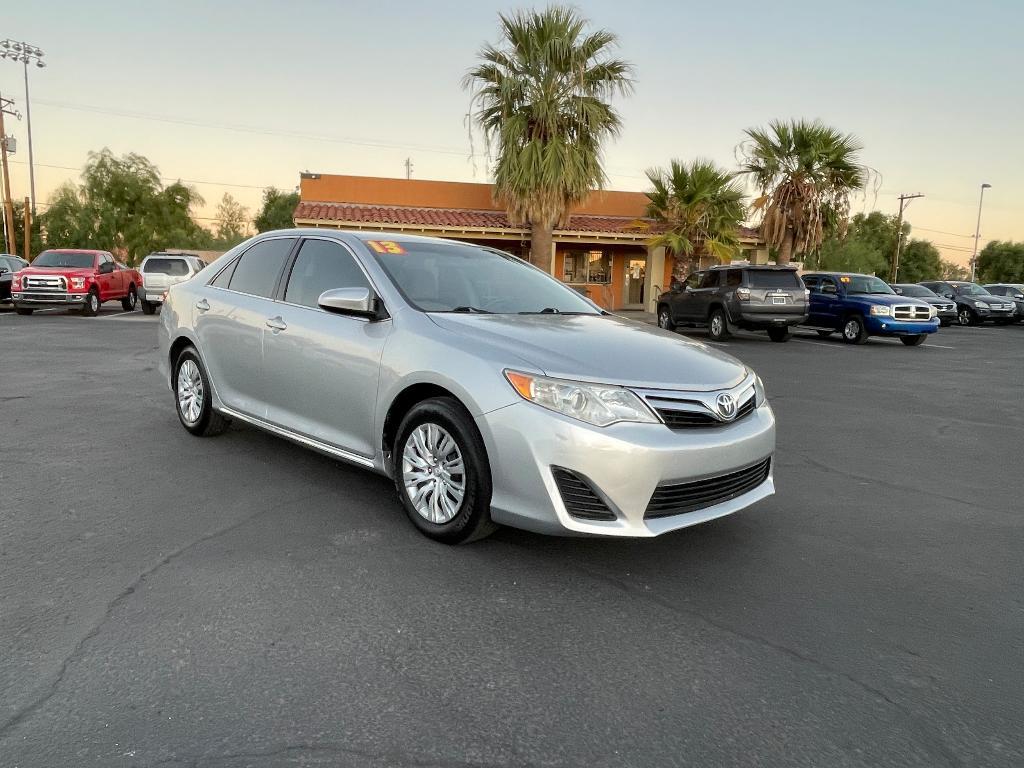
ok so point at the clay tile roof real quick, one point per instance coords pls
(460, 218)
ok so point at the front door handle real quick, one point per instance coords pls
(276, 323)
(203, 305)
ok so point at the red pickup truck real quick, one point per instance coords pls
(70, 277)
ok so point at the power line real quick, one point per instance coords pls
(941, 232)
(165, 178)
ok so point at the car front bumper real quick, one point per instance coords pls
(625, 463)
(37, 298)
(880, 325)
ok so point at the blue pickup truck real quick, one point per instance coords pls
(858, 306)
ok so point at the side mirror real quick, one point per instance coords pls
(4, 270)
(1018, 296)
(829, 289)
(948, 295)
(106, 268)
(359, 302)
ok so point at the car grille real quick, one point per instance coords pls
(945, 307)
(680, 498)
(1001, 307)
(43, 283)
(579, 496)
(911, 312)
(676, 419)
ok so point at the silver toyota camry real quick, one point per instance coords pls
(487, 390)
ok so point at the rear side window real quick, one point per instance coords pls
(811, 281)
(734, 278)
(257, 271)
(773, 278)
(320, 266)
(173, 267)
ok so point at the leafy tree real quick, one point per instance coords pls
(950, 270)
(919, 260)
(19, 231)
(232, 222)
(121, 205)
(806, 173)
(1001, 262)
(278, 210)
(542, 101)
(697, 208)
(867, 245)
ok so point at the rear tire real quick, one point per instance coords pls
(718, 328)
(192, 396)
(423, 464)
(854, 331)
(91, 307)
(23, 310)
(147, 307)
(665, 318)
(128, 302)
(914, 341)
(778, 335)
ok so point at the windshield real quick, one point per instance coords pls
(64, 259)
(971, 289)
(917, 290)
(865, 284)
(773, 278)
(444, 277)
(176, 267)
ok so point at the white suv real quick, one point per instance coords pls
(162, 270)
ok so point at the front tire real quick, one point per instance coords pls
(914, 341)
(129, 302)
(665, 318)
(778, 335)
(854, 331)
(441, 472)
(718, 328)
(966, 316)
(91, 307)
(192, 396)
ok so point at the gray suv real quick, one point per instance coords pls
(755, 298)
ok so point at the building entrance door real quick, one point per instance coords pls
(633, 288)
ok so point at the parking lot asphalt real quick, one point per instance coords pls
(239, 601)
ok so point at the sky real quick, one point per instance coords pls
(235, 97)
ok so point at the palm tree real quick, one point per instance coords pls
(542, 102)
(697, 208)
(806, 172)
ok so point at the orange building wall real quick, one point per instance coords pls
(420, 193)
(605, 295)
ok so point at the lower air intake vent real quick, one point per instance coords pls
(579, 496)
(687, 497)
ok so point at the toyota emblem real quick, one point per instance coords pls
(726, 404)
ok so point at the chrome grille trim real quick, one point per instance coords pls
(911, 312)
(44, 283)
(684, 409)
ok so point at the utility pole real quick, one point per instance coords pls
(28, 231)
(977, 230)
(408, 168)
(7, 108)
(904, 202)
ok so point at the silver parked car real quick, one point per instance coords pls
(162, 270)
(489, 391)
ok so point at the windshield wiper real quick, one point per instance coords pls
(467, 308)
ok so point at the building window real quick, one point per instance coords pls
(587, 267)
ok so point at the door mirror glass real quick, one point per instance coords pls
(348, 301)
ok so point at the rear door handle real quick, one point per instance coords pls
(276, 323)
(203, 305)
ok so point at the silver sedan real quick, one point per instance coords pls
(487, 390)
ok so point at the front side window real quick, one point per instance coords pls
(257, 271)
(447, 277)
(830, 284)
(73, 259)
(587, 267)
(320, 266)
(709, 280)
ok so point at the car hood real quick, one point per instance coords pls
(934, 302)
(601, 348)
(57, 271)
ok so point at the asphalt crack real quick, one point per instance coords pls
(29, 709)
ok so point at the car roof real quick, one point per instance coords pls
(77, 250)
(771, 267)
(841, 274)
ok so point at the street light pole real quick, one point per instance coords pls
(977, 230)
(25, 53)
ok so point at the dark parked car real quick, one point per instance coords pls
(944, 308)
(1012, 291)
(756, 298)
(8, 266)
(974, 305)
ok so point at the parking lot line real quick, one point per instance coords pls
(826, 344)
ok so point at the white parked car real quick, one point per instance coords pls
(162, 270)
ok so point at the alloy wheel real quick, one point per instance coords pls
(964, 316)
(433, 473)
(94, 303)
(851, 329)
(663, 319)
(190, 392)
(716, 325)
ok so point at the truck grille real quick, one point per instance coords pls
(579, 496)
(911, 312)
(680, 498)
(677, 419)
(58, 283)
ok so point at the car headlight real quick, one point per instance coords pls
(760, 398)
(78, 282)
(596, 404)
(880, 310)
(932, 312)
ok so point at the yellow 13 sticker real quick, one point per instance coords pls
(385, 246)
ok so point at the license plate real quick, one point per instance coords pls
(778, 299)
